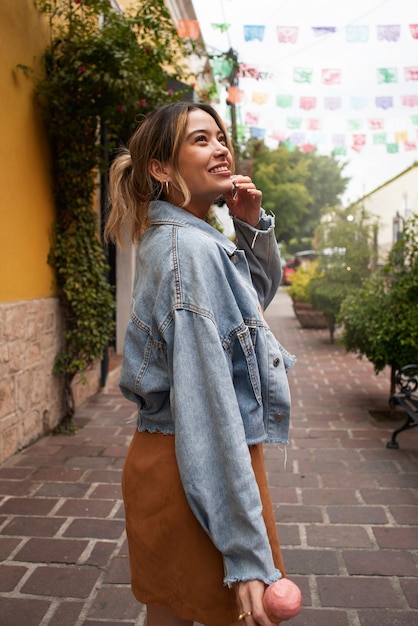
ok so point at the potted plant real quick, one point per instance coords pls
(299, 291)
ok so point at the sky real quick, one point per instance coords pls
(341, 75)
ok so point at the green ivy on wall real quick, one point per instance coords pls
(104, 69)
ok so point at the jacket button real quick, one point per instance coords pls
(234, 259)
(278, 417)
(276, 362)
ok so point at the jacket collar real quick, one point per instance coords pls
(161, 212)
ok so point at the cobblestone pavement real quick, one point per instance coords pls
(347, 507)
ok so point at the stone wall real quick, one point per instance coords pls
(30, 395)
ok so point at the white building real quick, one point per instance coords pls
(392, 203)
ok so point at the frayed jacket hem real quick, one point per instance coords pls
(269, 580)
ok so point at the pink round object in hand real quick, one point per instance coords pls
(282, 600)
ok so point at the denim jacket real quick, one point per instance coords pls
(201, 363)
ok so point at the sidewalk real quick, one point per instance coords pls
(347, 507)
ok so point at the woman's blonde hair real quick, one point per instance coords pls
(131, 184)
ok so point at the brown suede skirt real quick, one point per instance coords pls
(173, 562)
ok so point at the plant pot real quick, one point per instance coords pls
(307, 316)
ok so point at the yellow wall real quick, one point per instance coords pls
(26, 206)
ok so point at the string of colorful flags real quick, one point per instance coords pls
(236, 95)
(306, 129)
(289, 34)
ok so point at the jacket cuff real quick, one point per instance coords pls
(265, 223)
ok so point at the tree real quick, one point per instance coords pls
(296, 186)
(345, 253)
(381, 318)
(326, 184)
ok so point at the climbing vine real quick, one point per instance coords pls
(104, 69)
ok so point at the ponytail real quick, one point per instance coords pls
(124, 201)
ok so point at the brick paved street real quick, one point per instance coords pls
(347, 507)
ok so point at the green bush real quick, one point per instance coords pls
(380, 320)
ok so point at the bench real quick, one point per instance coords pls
(406, 397)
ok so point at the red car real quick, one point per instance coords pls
(288, 271)
(290, 266)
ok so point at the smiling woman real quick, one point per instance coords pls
(207, 375)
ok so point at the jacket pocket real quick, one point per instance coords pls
(247, 347)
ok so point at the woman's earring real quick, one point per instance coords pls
(166, 188)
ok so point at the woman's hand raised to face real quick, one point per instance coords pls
(244, 200)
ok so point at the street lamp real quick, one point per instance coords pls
(232, 79)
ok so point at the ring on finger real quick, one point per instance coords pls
(243, 615)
